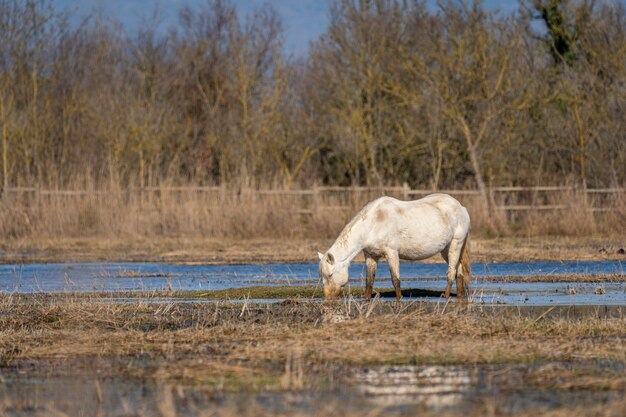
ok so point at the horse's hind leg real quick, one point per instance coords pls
(444, 253)
(370, 266)
(393, 259)
(452, 257)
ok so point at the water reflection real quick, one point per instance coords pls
(432, 386)
(389, 390)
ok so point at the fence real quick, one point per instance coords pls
(315, 212)
(318, 199)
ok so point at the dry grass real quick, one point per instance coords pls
(121, 214)
(224, 338)
(293, 346)
(577, 219)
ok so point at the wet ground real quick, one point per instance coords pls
(376, 390)
(470, 389)
(115, 277)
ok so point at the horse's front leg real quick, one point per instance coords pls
(393, 260)
(370, 266)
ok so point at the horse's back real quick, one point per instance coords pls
(417, 228)
(451, 208)
(438, 204)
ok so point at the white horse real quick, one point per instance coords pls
(395, 229)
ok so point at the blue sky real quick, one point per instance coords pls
(304, 20)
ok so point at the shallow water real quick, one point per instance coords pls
(85, 277)
(504, 388)
(115, 277)
(391, 390)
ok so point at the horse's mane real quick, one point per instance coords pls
(361, 215)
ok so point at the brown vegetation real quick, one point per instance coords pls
(287, 346)
(258, 336)
(156, 216)
(392, 93)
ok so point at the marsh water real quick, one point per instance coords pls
(384, 389)
(389, 390)
(116, 277)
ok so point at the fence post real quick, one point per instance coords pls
(38, 200)
(222, 192)
(315, 201)
(405, 191)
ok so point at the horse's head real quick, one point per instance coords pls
(333, 275)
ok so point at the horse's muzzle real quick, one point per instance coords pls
(331, 292)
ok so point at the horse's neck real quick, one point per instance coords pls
(345, 249)
(343, 255)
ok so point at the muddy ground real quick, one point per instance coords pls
(178, 354)
(69, 355)
(224, 251)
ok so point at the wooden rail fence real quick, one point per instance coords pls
(320, 198)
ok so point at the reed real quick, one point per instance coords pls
(217, 212)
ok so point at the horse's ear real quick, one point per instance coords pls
(331, 258)
(320, 255)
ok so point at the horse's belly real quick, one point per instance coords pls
(417, 254)
(414, 249)
(407, 252)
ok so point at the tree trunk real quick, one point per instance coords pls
(493, 218)
(478, 176)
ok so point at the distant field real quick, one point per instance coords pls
(272, 250)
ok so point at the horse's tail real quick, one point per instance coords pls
(464, 271)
